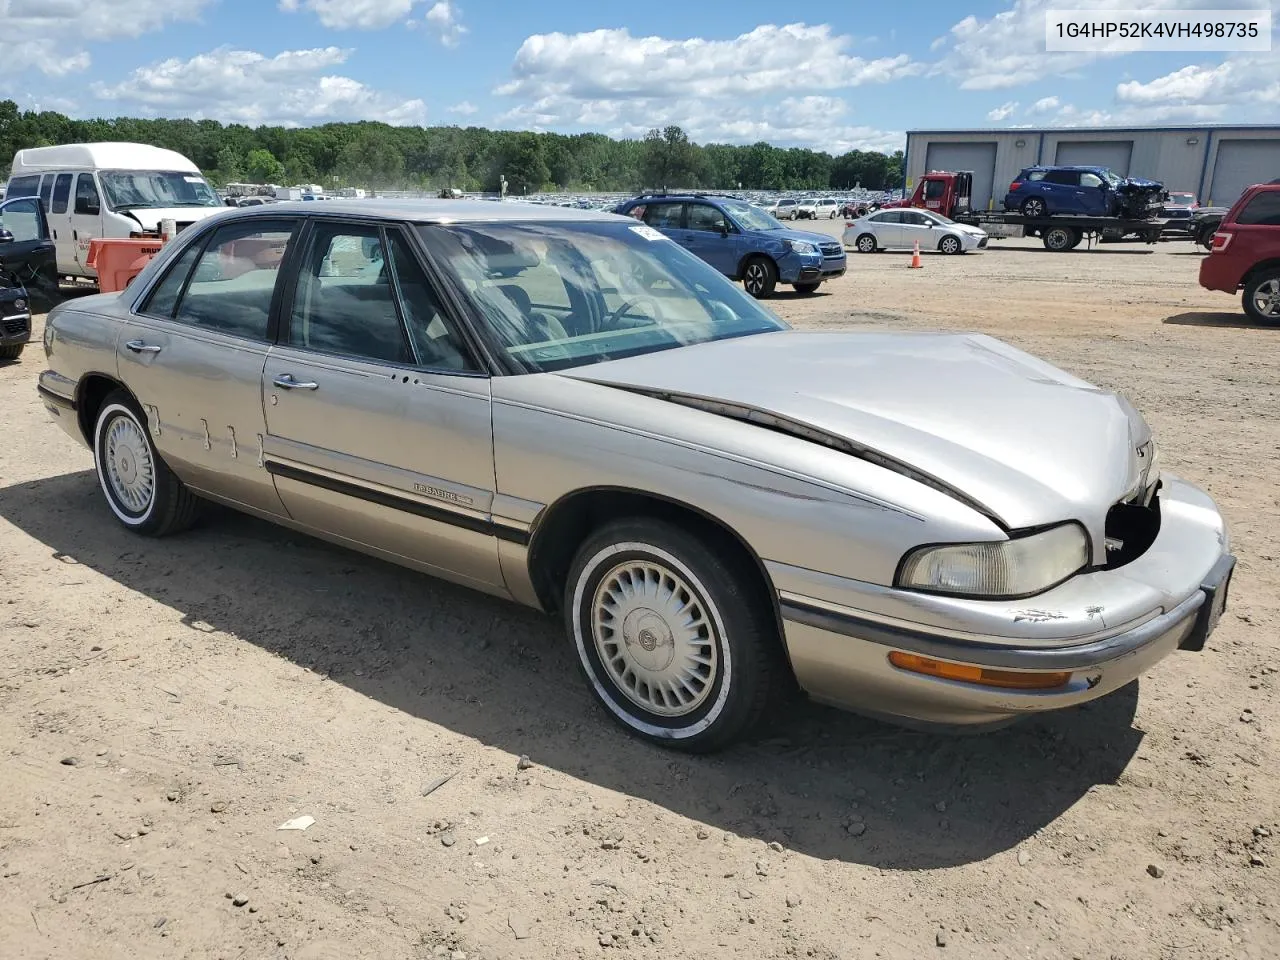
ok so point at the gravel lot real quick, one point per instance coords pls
(168, 704)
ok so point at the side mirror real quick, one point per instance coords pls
(6, 236)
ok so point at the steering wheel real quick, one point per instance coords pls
(611, 322)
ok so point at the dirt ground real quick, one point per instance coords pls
(166, 705)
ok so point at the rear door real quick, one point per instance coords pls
(888, 228)
(379, 424)
(1059, 189)
(193, 353)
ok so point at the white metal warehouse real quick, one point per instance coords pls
(1214, 163)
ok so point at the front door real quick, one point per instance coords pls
(193, 353)
(1092, 195)
(27, 255)
(379, 421)
(86, 221)
(917, 228)
(709, 235)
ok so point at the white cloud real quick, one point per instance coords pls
(1044, 105)
(48, 34)
(443, 19)
(717, 90)
(353, 14)
(466, 108)
(1002, 112)
(770, 59)
(245, 86)
(1252, 80)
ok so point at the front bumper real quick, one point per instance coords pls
(1104, 628)
(14, 329)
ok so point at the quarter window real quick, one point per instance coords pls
(233, 282)
(61, 193)
(344, 302)
(1263, 209)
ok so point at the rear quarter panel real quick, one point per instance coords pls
(81, 340)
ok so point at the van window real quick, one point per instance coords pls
(1262, 210)
(61, 193)
(87, 201)
(46, 189)
(23, 187)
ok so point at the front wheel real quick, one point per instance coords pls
(805, 288)
(1261, 297)
(673, 640)
(760, 277)
(950, 245)
(144, 494)
(866, 243)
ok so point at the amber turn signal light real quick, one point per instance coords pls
(983, 676)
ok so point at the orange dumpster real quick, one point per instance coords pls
(119, 260)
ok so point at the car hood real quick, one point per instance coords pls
(808, 236)
(1011, 435)
(150, 217)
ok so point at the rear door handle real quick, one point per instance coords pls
(141, 346)
(286, 381)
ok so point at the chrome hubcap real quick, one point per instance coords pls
(1266, 299)
(654, 638)
(129, 468)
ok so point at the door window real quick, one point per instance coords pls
(1065, 178)
(893, 216)
(23, 187)
(435, 339)
(934, 189)
(344, 302)
(703, 216)
(21, 217)
(1090, 180)
(87, 202)
(234, 280)
(664, 216)
(61, 193)
(46, 189)
(1263, 209)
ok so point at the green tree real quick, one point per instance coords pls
(669, 159)
(526, 164)
(261, 166)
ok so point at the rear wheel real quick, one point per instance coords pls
(12, 352)
(1034, 207)
(1060, 239)
(1261, 297)
(806, 288)
(950, 245)
(760, 277)
(866, 243)
(671, 634)
(144, 494)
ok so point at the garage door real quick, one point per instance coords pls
(1240, 164)
(977, 157)
(1096, 153)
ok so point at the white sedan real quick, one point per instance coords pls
(904, 227)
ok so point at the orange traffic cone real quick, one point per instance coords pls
(915, 256)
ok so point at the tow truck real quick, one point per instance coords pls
(949, 194)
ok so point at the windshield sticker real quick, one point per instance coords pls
(646, 231)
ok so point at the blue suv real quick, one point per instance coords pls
(1084, 191)
(741, 241)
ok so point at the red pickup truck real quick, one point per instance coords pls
(1246, 253)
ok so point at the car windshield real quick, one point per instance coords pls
(560, 295)
(1114, 179)
(940, 218)
(142, 189)
(752, 218)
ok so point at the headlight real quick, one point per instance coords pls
(803, 247)
(1010, 568)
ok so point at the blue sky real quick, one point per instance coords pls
(833, 77)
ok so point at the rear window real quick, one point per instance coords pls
(1262, 210)
(23, 187)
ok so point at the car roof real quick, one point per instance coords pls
(431, 211)
(1067, 166)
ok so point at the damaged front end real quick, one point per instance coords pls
(1139, 199)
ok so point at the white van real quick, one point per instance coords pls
(109, 190)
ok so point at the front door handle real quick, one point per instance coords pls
(286, 381)
(141, 346)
